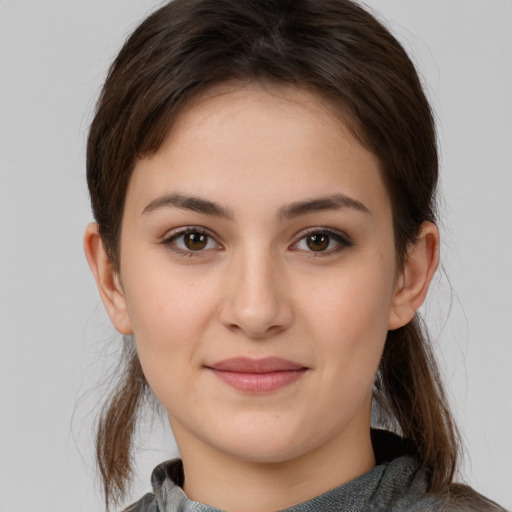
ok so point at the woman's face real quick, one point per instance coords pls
(258, 271)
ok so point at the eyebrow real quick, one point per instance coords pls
(296, 209)
(320, 204)
(186, 202)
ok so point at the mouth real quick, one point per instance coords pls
(257, 376)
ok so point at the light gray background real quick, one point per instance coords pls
(56, 343)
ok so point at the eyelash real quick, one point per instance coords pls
(170, 241)
(340, 239)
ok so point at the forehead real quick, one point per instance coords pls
(274, 140)
(228, 99)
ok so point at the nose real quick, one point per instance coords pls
(255, 299)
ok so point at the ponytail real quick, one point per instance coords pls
(117, 424)
(411, 400)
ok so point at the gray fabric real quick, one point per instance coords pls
(396, 486)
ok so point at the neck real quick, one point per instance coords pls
(230, 483)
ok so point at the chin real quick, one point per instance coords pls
(265, 451)
(266, 445)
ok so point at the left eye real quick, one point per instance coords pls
(191, 241)
(321, 241)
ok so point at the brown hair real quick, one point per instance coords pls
(333, 48)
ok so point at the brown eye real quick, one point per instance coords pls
(195, 241)
(322, 242)
(191, 241)
(318, 242)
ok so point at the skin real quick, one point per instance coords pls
(256, 286)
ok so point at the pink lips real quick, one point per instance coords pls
(257, 375)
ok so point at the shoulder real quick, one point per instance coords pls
(165, 477)
(456, 498)
(408, 481)
(146, 504)
(462, 498)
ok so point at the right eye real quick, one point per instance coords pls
(322, 242)
(190, 241)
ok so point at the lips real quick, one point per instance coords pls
(257, 375)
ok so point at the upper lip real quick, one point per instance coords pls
(249, 365)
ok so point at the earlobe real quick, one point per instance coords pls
(412, 284)
(107, 279)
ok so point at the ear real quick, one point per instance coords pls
(412, 284)
(107, 280)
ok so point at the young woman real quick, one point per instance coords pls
(263, 175)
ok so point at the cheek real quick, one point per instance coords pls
(359, 299)
(349, 314)
(169, 313)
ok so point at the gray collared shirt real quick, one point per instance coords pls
(397, 484)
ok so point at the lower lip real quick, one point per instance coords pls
(259, 382)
